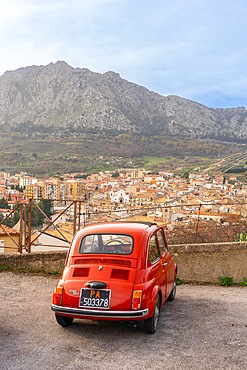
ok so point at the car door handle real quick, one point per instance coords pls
(165, 264)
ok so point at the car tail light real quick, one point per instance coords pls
(136, 299)
(57, 295)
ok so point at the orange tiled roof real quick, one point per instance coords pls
(7, 230)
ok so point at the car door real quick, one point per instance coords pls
(158, 272)
(166, 261)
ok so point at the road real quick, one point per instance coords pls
(204, 328)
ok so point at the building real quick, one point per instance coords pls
(9, 239)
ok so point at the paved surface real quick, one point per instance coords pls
(204, 328)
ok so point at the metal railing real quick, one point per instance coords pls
(194, 225)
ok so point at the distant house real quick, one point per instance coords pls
(177, 216)
(9, 240)
(5, 211)
(63, 218)
(119, 197)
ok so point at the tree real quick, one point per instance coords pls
(4, 204)
(46, 206)
(186, 174)
(12, 220)
(37, 216)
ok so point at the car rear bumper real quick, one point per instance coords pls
(100, 314)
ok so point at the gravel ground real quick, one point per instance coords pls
(204, 328)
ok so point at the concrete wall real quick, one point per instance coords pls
(201, 263)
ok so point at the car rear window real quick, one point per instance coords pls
(106, 244)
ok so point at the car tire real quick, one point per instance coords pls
(173, 292)
(64, 320)
(151, 324)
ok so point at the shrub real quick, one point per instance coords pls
(241, 237)
(226, 280)
(3, 267)
(244, 282)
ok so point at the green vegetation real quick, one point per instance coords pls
(150, 162)
(244, 282)
(3, 268)
(37, 218)
(4, 203)
(56, 273)
(241, 237)
(226, 280)
(47, 155)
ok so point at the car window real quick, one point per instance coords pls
(153, 250)
(106, 244)
(162, 242)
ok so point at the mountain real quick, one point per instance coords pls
(59, 98)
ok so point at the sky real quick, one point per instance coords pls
(196, 49)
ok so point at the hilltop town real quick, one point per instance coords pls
(212, 208)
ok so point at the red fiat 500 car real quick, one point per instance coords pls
(116, 271)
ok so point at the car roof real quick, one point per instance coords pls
(125, 227)
(135, 229)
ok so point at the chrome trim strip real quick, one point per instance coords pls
(79, 312)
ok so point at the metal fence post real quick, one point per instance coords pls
(29, 226)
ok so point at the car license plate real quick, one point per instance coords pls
(95, 298)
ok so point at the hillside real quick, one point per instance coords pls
(60, 99)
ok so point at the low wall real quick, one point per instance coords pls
(200, 263)
(204, 263)
(38, 262)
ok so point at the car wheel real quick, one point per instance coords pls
(64, 320)
(173, 292)
(151, 324)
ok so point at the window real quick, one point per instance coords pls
(153, 250)
(2, 246)
(162, 242)
(106, 244)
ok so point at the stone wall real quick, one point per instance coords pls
(204, 263)
(39, 262)
(201, 263)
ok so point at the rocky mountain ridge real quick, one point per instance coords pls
(58, 97)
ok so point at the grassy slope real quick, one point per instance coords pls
(92, 153)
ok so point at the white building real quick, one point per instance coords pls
(120, 197)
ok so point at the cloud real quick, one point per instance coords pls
(196, 49)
